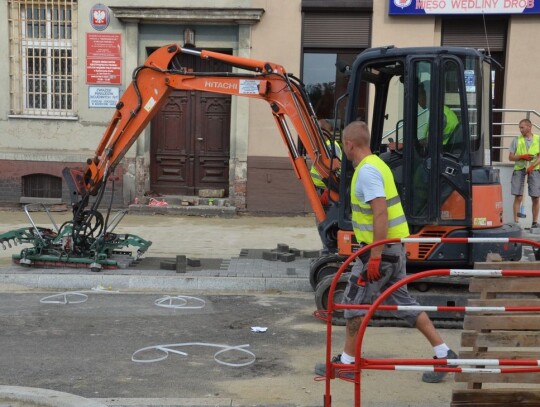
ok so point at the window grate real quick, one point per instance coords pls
(41, 186)
(43, 62)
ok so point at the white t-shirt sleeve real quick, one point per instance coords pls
(513, 146)
(369, 184)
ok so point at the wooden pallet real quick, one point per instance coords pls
(500, 336)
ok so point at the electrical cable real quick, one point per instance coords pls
(183, 302)
(50, 298)
(224, 348)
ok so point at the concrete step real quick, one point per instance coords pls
(183, 205)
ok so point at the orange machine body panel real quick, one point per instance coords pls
(487, 210)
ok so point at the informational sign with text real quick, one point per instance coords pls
(103, 96)
(103, 59)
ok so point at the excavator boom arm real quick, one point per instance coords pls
(161, 73)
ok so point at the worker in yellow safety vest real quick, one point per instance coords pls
(450, 119)
(525, 151)
(377, 214)
(334, 148)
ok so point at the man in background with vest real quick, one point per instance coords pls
(450, 119)
(449, 125)
(525, 151)
(335, 149)
(377, 214)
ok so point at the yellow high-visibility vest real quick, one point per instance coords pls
(362, 215)
(315, 176)
(521, 149)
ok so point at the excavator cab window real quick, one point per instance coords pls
(426, 107)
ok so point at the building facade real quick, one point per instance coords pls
(69, 62)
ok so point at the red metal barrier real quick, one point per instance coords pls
(420, 364)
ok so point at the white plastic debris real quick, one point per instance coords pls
(259, 329)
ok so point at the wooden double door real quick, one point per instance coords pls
(190, 138)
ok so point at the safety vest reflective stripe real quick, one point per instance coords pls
(389, 202)
(393, 201)
(362, 215)
(358, 208)
(369, 227)
(521, 149)
(398, 221)
(316, 177)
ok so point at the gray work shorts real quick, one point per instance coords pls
(518, 183)
(392, 272)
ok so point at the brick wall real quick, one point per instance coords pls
(12, 171)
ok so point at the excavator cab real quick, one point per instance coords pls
(430, 120)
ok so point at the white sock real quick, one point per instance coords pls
(441, 351)
(346, 359)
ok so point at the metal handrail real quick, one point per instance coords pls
(509, 127)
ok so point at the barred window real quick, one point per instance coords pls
(42, 57)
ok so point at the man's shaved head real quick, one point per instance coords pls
(358, 133)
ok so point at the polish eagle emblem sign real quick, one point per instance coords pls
(99, 17)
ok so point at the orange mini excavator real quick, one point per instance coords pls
(431, 105)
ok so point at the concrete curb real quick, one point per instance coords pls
(167, 402)
(34, 280)
(177, 210)
(33, 397)
(216, 402)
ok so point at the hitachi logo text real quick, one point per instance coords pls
(220, 85)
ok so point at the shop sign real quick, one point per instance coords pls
(103, 96)
(461, 7)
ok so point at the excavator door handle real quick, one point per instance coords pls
(200, 139)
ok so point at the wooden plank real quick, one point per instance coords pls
(529, 378)
(501, 339)
(505, 284)
(525, 300)
(500, 354)
(508, 265)
(495, 397)
(526, 322)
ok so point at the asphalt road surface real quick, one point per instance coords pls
(87, 348)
